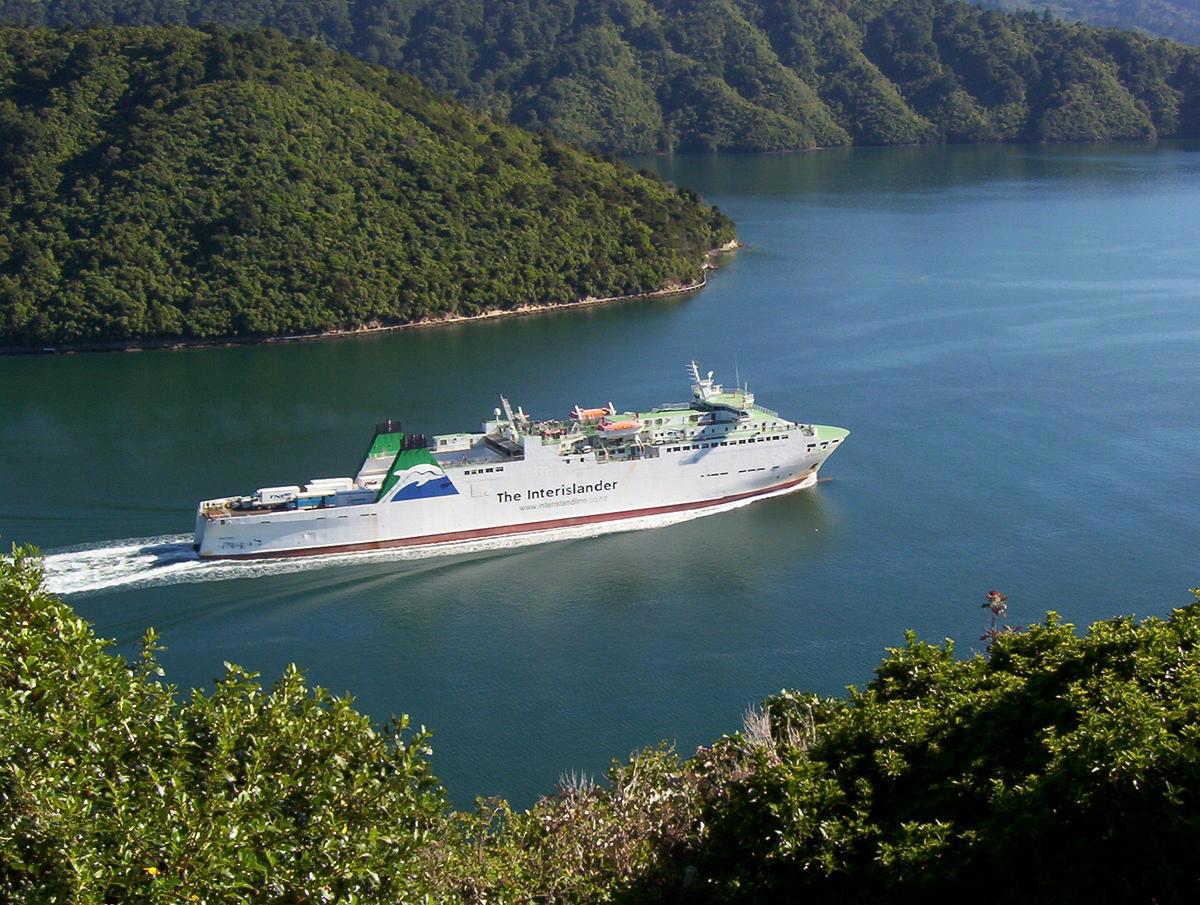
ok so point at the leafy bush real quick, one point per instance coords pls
(112, 789)
(1058, 768)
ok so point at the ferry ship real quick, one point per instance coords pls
(520, 476)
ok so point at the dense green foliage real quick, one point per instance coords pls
(1058, 768)
(112, 790)
(643, 75)
(1177, 19)
(166, 182)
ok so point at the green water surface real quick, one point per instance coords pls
(1010, 333)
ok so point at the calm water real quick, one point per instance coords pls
(1010, 333)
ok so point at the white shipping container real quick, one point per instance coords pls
(276, 494)
(352, 498)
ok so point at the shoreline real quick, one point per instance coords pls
(710, 258)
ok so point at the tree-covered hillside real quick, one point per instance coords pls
(643, 75)
(1177, 19)
(170, 183)
(1060, 768)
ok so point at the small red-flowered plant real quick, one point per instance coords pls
(998, 604)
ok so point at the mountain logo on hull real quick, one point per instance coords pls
(423, 482)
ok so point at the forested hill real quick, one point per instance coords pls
(643, 75)
(1177, 19)
(170, 183)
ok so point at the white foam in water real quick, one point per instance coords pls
(170, 559)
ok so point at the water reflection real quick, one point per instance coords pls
(856, 176)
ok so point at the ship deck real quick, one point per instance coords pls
(479, 454)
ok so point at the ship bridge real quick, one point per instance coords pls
(707, 394)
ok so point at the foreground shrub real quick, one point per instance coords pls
(1060, 768)
(1057, 768)
(114, 790)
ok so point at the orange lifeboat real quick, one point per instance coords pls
(590, 414)
(620, 428)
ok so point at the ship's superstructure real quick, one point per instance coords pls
(518, 476)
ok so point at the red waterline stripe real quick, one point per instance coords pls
(526, 528)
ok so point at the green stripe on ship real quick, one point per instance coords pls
(405, 459)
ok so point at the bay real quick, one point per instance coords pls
(1008, 332)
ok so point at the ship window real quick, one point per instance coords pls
(812, 446)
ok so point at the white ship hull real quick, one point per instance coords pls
(534, 484)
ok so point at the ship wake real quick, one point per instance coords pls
(170, 559)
